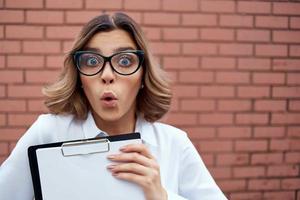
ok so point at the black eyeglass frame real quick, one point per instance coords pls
(77, 54)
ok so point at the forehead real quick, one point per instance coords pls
(110, 41)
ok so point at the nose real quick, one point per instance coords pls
(107, 74)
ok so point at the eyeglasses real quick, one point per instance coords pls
(125, 63)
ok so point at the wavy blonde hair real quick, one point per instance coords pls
(66, 95)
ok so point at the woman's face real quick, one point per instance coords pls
(112, 96)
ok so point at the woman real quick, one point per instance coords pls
(110, 86)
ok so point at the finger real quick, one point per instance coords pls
(135, 178)
(131, 157)
(129, 168)
(140, 148)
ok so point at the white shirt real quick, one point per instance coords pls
(183, 173)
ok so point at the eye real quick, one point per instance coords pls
(92, 61)
(125, 61)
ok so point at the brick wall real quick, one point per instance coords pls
(235, 67)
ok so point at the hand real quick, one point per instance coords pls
(136, 164)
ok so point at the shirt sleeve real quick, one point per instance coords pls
(195, 181)
(15, 176)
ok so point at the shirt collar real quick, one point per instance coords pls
(142, 126)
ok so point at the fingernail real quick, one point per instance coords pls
(115, 174)
(111, 166)
(111, 156)
(123, 148)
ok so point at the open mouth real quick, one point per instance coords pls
(109, 99)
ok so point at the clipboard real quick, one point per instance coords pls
(77, 170)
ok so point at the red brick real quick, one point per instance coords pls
(1, 31)
(266, 158)
(62, 32)
(269, 132)
(220, 172)
(232, 77)
(217, 6)
(2, 91)
(248, 172)
(217, 34)
(11, 16)
(232, 159)
(217, 63)
(271, 50)
(269, 78)
(234, 132)
(185, 91)
(286, 36)
(293, 78)
(161, 18)
(3, 148)
(285, 118)
(294, 105)
(82, 17)
(180, 34)
(178, 5)
(208, 159)
(264, 184)
(38, 76)
(234, 105)
(67, 46)
(152, 33)
(230, 185)
(254, 64)
(295, 22)
(180, 62)
(182, 119)
(280, 144)
(199, 19)
(236, 21)
(254, 7)
(25, 61)
(252, 118)
(24, 4)
(270, 105)
(236, 49)
(253, 91)
(141, 5)
(286, 65)
(251, 145)
(21, 119)
(215, 119)
(10, 46)
(292, 157)
(57, 4)
(288, 8)
(294, 131)
(294, 50)
(215, 146)
(105, 4)
(195, 77)
(28, 32)
(199, 48)
(29, 91)
(295, 145)
(279, 195)
(44, 17)
(165, 48)
(290, 92)
(253, 35)
(196, 133)
(41, 47)
(36, 106)
(11, 134)
(282, 170)
(217, 91)
(197, 105)
(9, 76)
(12, 105)
(246, 195)
(2, 62)
(3, 120)
(271, 22)
(290, 183)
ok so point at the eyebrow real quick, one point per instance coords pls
(115, 50)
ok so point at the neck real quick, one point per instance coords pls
(125, 124)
